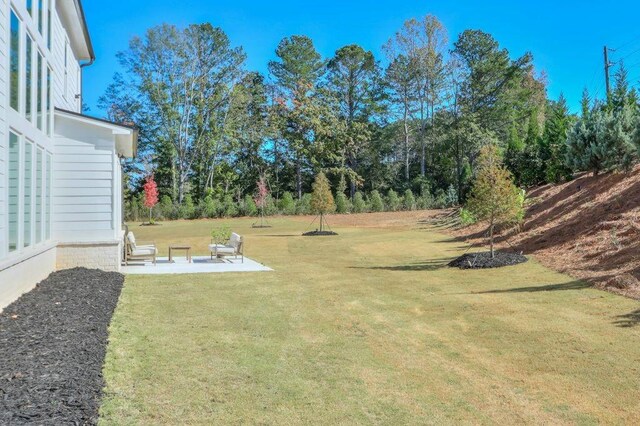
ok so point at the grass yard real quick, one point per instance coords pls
(366, 327)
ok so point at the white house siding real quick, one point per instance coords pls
(83, 192)
(4, 48)
(64, 99)
(86, 196)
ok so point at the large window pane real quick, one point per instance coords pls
(40, 12)
(39, 92)
(49, 24)
(14, 190)
(49, 115)
(28, 190)
(30, 7)
(29, 78)
(39, 204)
(15, 62)
(47, 214)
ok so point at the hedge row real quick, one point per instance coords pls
(227, 206)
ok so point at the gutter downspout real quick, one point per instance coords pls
(86, 64)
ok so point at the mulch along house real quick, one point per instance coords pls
(60, 172)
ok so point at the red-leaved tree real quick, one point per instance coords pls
(261, 197)
(150, 194)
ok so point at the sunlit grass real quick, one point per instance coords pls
(366, 327)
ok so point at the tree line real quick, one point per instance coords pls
(407, 126)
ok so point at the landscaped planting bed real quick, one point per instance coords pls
(484, 260)
(52, 348)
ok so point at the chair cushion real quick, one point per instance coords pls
(144, 251)
(234, 240)
(132, 239)
(219, 248)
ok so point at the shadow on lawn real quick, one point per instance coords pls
(430, 265)
(572, 285)
(631, 319)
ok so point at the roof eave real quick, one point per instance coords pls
(73, 13)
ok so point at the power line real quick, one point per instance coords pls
(630, 54)
(622, 46)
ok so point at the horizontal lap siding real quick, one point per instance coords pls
(83, 190)
(61, 99)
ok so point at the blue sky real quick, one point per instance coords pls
(566, 38)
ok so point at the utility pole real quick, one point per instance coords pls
(607, 65)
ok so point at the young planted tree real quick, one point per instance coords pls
(150, 195)
(494, 197)
(262, 194)
(322, 199)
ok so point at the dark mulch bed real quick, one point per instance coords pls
(52, 347)
(484, 260)
(319, 233)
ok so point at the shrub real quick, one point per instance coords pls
(303, 205)
(359, 205)
(466, 217)
(207, 207)
(375, 202)
(408, 200)
(249, 206)
(343, 204)
(451, 197)
(220, 234)
(393, 201)
(287, 204)
(230, 207)
(425, 201)
(270, 207)
(187, 210)
(166, 209)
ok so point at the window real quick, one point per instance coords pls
(29, 79)
(40, 12)
(49, 117)
(66, 48)
(49, 24)
(39, 93)
(47, 199)
(30, 7)
(39, 204)
(14, 191)
(15, 62)
(27, 191)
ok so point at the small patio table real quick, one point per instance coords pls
(180, 247)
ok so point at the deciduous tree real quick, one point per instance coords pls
(494, 197)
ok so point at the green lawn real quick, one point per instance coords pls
(366, 327)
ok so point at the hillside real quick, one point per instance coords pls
(588, 228)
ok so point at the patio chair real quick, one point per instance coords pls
(235, 248)
(137, 251)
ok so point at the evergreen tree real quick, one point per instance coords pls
(554, 146)
(359, 204)
(375, 201)
(408, 200)
(287, 204)
(393, 201)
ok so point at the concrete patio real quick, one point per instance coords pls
(199, 265)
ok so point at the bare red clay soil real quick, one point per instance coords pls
(587, 228)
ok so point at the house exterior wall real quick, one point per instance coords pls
(80, 170)
(84, 193)
(105, 256)
(3, 125)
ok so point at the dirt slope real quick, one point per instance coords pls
(588, 228)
